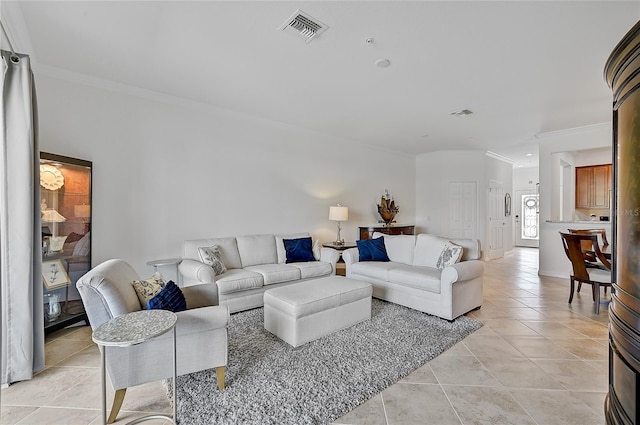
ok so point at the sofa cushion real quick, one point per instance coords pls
(424, 278)
(373, 269)
(372, 250)
(235, 280)
(228, 247)
(313, 269)
(280, 251)
(275, 273)
(257, 249)
(298, 250)
(450, 255)
(428, 249)
(399, 248)
(470, 248)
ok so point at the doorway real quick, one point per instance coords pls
(527, 223)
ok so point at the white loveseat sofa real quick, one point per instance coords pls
(254, 264)
(412, 279)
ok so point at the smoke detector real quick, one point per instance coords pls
(303, 25)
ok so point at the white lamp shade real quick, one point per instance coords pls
(338, 213)
(52, 216)
(82, 211)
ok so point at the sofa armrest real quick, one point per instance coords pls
(198, 271)
(350, 256)
(460, 272)
(329, 255)
(202, 295)
(202, 319)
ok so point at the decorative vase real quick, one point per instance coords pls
(51, 307)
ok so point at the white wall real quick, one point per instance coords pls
(435, 170)
(166, 170)
(525, 178)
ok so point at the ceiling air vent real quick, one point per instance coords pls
(462, 113)
(303, 25)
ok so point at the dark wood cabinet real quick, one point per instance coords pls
(367, 231)
(593, 186)
(622, 71)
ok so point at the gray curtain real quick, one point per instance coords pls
(21, 306)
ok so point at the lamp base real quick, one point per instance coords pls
(339, 243)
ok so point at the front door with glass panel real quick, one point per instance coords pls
(527, 218)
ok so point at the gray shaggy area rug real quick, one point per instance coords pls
(270, 382)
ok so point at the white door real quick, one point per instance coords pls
(463, 210)
(496, 219)
(527, 226)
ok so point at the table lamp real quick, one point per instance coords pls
(338, 213)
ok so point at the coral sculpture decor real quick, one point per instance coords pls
(387, 209)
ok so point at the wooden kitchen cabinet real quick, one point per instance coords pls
(593, 185)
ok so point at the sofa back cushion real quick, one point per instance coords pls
(400, 248)
(281, 252)
(429, 248)
(471, 248)
(228, 248)
(257, 249)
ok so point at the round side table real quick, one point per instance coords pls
(131, 329)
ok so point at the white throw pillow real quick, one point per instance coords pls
(211, 256)
(148, 288)
(451, 254)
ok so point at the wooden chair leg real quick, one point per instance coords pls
(579, 286)
(593, 292)
(596, 293)
(573, 287)
(220, 377)
(118, 398)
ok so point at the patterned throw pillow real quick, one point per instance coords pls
(148, 288)
(451, 254)
(170, 298)
(211, 256)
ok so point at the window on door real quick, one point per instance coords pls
(530, 217)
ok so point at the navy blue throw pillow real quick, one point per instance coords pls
(298, 250)
(169, 298)
(372, 250)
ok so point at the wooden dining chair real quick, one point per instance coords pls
(588, 253)
(573, 244)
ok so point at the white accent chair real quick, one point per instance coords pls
(201, 330)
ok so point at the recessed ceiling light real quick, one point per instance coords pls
(528, 154)
(383, 63)
(520, 166)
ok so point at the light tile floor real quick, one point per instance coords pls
(537, 360)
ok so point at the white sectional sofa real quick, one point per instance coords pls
(254, 264)
(411, 277)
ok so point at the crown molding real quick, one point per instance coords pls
(499, 157)
(576, 130)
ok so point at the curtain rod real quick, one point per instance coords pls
(7, 37)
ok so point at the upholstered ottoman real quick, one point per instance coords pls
(306, 311)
